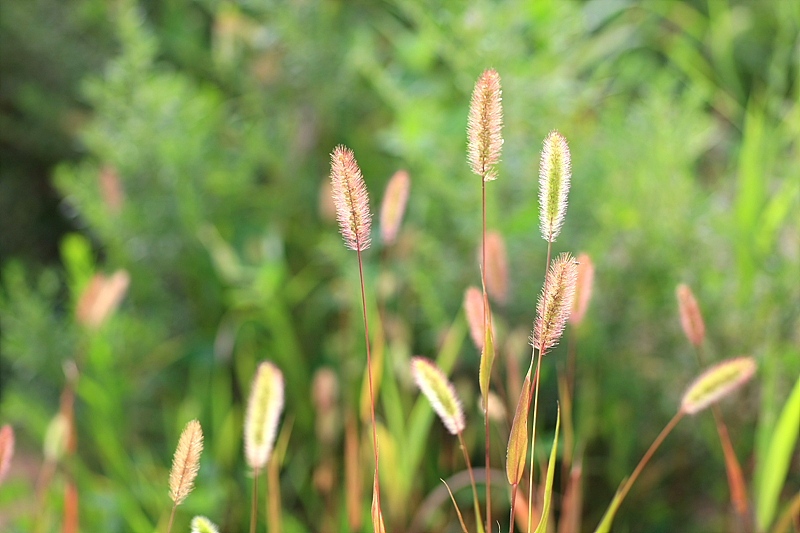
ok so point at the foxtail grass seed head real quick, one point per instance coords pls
(583, 289)
(473, 309)
(554, 175)
(555, 303)
(689, 312)
(201, 524)
(100, 298)
(440, 393)
(6, 450)
(717, 382)
(56, 437)
(263, 413)
(496, 267)
(484, 125)
(393, 205)
(351, 199)
(186, 462)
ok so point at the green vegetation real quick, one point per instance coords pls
(188, 143)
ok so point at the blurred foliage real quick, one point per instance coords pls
(195, 156)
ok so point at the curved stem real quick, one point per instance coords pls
(471, 479)
(649, 453)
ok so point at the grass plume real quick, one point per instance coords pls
(352, 211)
(554, 177)
(717, 382)
(555, 302)
(6, 450)
(350, 198)
(484, 142)
(691, 318)
(185, 465)
(484, 125)
(264, 408)
(393, 205)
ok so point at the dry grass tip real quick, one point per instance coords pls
(583, 289)
(186, 462)
(484, 124)
(689, 312)
(393, 205)
(6, 450)
(263, 412)
(351, 199)
(554, 175)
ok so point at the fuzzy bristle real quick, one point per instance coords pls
(201, 524)
(717, 382)
(440, 393)
(351, 199)
(393, 205)
(554, 176)
(555, 303)
(484, 126)
(263, 413)
(186, 462)
(689, 312)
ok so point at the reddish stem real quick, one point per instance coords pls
(369, 374)
(649, 453)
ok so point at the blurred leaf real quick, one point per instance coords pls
(776, 462)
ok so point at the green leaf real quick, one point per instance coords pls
(776, 463)
(548, 486)
(518, 439)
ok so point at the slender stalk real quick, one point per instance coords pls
(536, 395)
(475, 502)
(254, 505)
(171, 516)
(369, 374)
(485, 312)
(649, 453)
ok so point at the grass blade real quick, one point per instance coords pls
(779, 454)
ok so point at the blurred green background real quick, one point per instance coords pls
(187, 142)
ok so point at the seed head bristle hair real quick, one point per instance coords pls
(6, 450)
(393, 205)
(484, 125)
(263, 413)
(186, 462)
(717, 382)
(689, 312)
(554, 175)
(201, 524)
(583, 289)
(440, 393)
(351, 199)
(555, 303)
